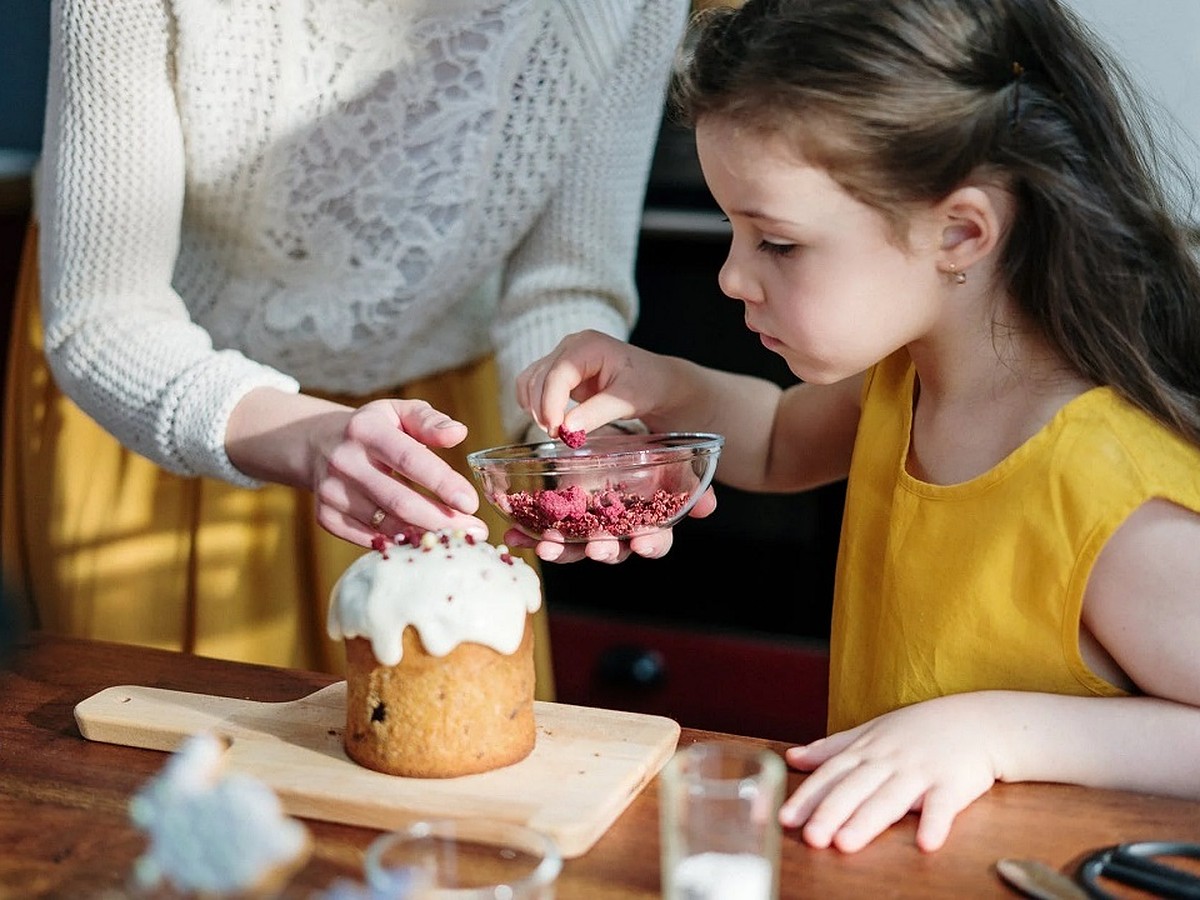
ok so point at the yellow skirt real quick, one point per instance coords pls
(102, 543)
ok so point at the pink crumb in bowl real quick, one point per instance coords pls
(573, 439)
(569, 503)
(575, 513)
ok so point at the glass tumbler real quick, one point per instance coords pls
(719, 818)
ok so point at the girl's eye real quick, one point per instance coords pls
(776, 249)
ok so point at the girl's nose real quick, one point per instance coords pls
(734, 281)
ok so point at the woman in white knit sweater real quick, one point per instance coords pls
(287, 249)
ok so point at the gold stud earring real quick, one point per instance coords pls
(959, 277)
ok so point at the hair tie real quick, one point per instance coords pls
(1018, 72)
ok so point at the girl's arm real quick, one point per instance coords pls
(939, 756)
(1141, 627)
(775, 439)
(1142, 606)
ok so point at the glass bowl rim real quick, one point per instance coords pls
(601, 451)
(540, 846)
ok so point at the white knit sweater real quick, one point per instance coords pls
(338, 195)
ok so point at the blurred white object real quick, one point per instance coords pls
(211, 832)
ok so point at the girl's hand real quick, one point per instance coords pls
(935, 758)
(608, 378)
(357, 461)
(608, 549)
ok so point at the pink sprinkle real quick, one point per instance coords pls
(410, 534)
(573, 439)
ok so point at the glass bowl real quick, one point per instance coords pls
(614, 485)
(468, 859)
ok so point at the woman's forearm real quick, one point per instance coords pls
(273, 435)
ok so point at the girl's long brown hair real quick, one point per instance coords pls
(915, 97)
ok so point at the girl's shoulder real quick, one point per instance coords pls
(1114, 439)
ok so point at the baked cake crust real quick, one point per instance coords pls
(439, 716)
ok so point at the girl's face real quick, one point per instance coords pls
(824, 283)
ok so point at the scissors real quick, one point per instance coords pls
(1138, 865)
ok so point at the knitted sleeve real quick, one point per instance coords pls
(575, 270)
(118, 338)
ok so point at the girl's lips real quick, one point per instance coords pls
(769, 342)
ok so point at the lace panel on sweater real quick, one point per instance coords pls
(420, 155)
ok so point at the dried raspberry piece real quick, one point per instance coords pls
(410, 534)
(573, 439)
(608, 505)
(569, 503)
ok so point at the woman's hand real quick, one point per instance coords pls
(371, 470)
(935, 757)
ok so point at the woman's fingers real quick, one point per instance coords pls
(430, 426)
(396, 439)
(381, 476)
(388, 511)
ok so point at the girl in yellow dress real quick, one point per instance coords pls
(944, 222)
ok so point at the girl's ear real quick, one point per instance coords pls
(972, 219)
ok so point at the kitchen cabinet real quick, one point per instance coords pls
(715, 679)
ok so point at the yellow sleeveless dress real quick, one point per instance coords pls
(943, 589)
(102, 543)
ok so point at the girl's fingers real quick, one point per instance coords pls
(652, 546)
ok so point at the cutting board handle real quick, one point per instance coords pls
(159, 719)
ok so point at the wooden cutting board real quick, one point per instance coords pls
(586, 767)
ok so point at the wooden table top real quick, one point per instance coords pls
(65, 830)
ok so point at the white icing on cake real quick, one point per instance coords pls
(451, 588)
(210, 832)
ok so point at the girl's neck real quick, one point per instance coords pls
(975, 403)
